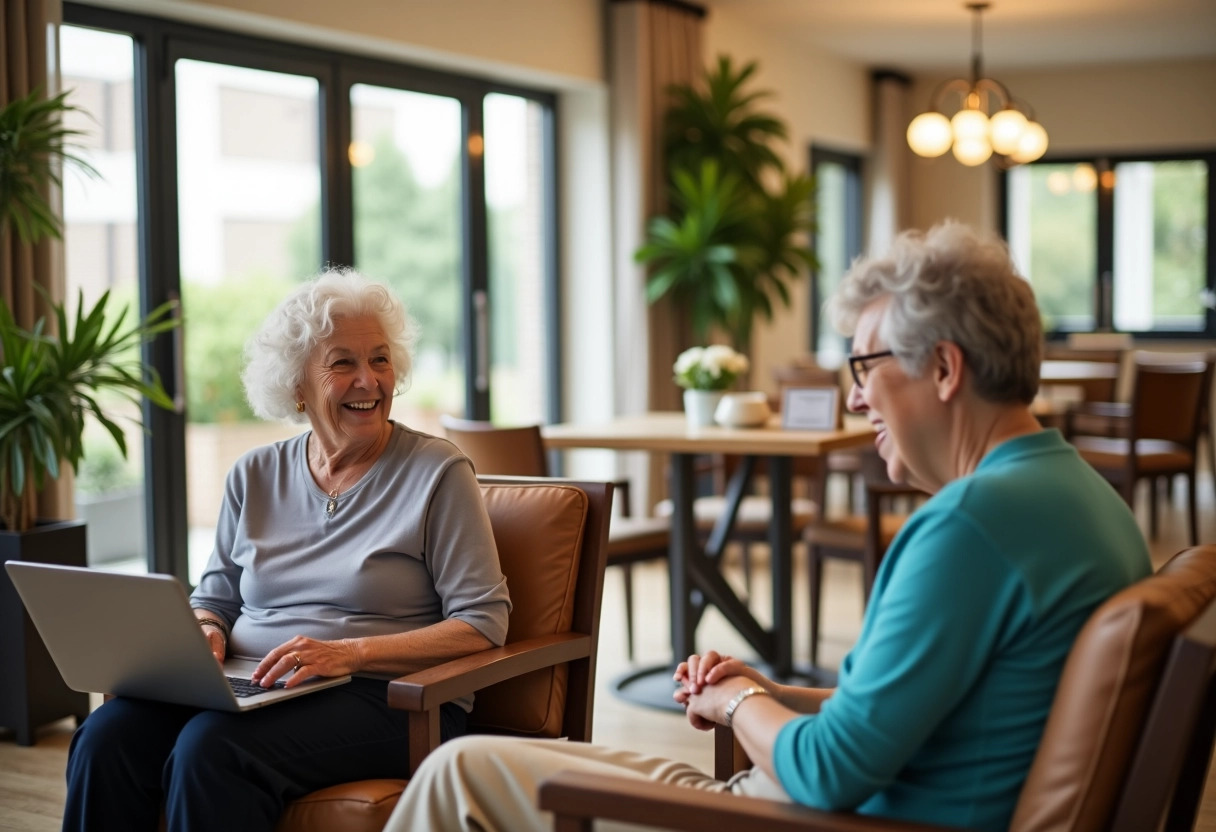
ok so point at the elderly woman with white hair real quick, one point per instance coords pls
(357, 547)
(940, 704)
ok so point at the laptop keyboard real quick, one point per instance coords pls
(246, 687)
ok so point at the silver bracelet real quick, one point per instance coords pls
(728, 715)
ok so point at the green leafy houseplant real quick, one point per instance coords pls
(33, 145)
(50, 382)
(734, 238)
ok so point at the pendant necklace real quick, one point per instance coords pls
(331, 505)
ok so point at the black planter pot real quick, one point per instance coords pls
(32, 693)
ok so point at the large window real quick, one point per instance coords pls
(234, 167)
(838, 221)
(1117, 243)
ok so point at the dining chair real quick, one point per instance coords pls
(859, 537)
(520, 451)
(551, 536)
(1076, 418)
(1126, 746)
(1161, 430)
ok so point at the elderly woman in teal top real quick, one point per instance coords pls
(358, 547)
(940, 704)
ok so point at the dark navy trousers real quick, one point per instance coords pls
(223, 771)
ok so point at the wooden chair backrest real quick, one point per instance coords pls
(1168, 396)
(515, 451)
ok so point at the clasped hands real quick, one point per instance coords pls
(708, 682)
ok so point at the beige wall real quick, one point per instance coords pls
(823, 99)
(1097, 109)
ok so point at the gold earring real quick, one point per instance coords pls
(299, 407)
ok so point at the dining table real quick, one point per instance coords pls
(1055, 371)
(694, 569)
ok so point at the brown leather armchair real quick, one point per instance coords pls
(1126, 746)
(520, 451)
(551, 537)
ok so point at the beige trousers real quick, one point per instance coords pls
(489, 784)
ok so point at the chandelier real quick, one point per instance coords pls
(1010, 132)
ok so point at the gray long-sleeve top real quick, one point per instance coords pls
(407, 546)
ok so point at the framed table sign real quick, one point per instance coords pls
(810, 408)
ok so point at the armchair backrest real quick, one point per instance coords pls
(515, 451)
(552, 536)
(1136, 678)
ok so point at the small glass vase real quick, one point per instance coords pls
(699, 407)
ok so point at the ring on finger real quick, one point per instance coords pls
(296, 656)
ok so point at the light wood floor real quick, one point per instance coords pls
(31, 779)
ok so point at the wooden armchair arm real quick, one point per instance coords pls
(729, 756)
(430, 688)
(576, 798)
(422, 693)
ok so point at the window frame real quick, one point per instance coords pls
(1103, 280)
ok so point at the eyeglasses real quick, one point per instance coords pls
(859, 366)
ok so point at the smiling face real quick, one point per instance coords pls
(348, 385)
(903, 409)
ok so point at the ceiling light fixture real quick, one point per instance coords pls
(1011, 132)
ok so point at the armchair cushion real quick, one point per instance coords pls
(544, 575)
(1104, 692)
(365, 804)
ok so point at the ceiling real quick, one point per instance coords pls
(935, 35)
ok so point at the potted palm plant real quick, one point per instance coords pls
(735, 236)
(54, 376)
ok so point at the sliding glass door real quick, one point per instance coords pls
(234, 168)
(408, 190)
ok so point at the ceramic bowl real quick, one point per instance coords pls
(742, 410)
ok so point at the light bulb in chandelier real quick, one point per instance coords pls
(969, 124)
(1032, 144)
(929, 134)
(1005, 129)
(972, 151)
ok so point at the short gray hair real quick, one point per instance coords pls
(276, 353)
(951, 284)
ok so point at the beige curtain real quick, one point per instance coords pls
(652, 44)
(888, 189)
(27, 37)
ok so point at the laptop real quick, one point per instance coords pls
(135, 635)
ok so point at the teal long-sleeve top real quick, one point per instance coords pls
(941, 703)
